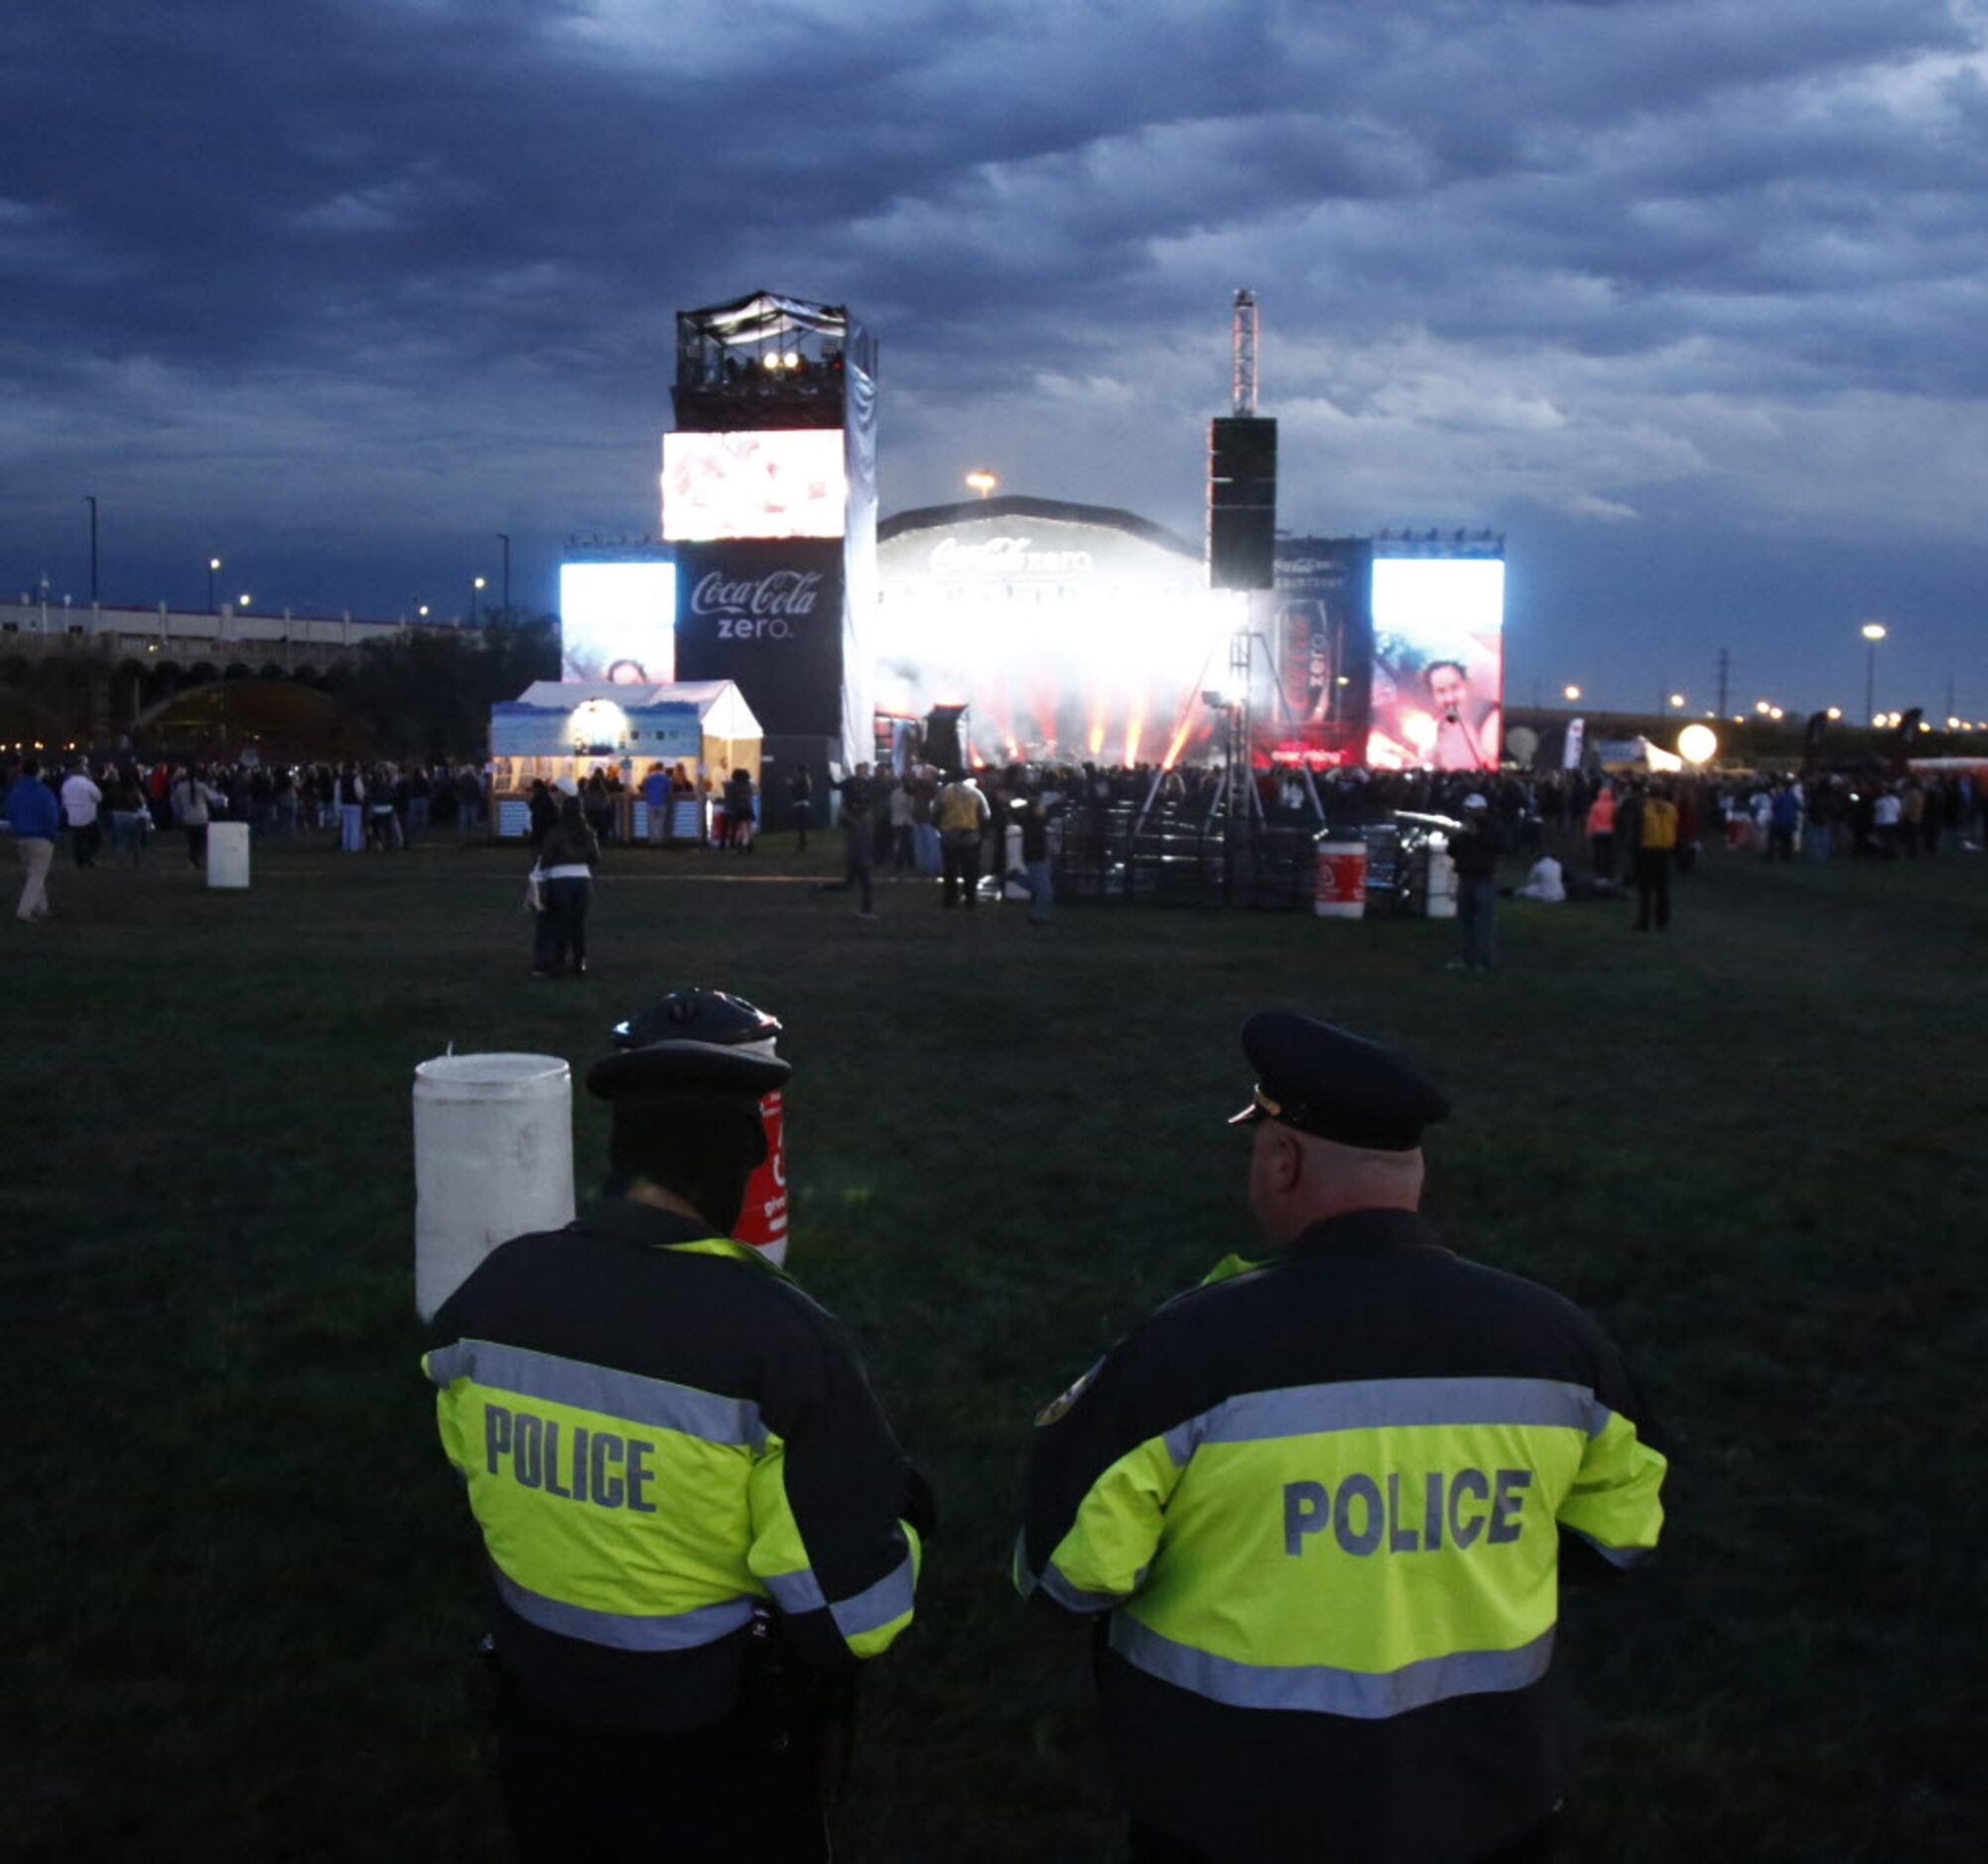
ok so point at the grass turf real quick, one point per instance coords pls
(243, 1588)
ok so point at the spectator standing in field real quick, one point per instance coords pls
(1601, 832)
(858, 804)
(192, 808)
(962, 813)
(35, 815)
(1475, 849)
(1655, 845)
(903, 819)
(468, 801)
(1885, 813)
(1784, 818)
(739, 811)
(598, 802)
(81, 799)
(565, 874)
(656, 800)
(1912, 817)
(351, 802)
(382, 832)
(542, 811)
(129, 817)
(1034, 813)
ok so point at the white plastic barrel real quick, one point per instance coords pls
(1015, 872)
(493, 1160)
(1442, 883)
(1340, 891)
(227, 854)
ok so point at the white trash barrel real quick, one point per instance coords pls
(1015, 872)
(227, 854)
(1442, 883)
(1339, 889)
(493, 1160)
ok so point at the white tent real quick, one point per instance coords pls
(570, 729)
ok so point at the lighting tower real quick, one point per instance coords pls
(1244, 343)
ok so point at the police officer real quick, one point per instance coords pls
(1323, 1497)
(695, 1517)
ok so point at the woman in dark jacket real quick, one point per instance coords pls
(566, 860)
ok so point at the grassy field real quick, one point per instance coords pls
(243, 1589)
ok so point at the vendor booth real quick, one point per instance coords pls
(699, 732)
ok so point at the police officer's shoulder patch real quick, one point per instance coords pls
(1061, 1406)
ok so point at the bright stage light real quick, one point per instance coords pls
(1697, 744)
(1072, 640)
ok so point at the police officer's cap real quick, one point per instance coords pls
(697, 1016)
(1323, 1080)
(687, 1068)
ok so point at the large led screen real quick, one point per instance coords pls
(618, 621)
(718, 487)
(1438, 663)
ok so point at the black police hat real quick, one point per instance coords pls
(683, 1068)
(1320, 1079)
(697, 1016)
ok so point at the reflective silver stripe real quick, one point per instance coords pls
(1025, 1581)
(625, 1396)
(1623, 1557)
(1073, 1598)
(1319, 1688)
(795, 1592)
(624, 1631)
(876, 1605)
(1377, 1404)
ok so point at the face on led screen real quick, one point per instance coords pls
(1438, 662)
(618, 621)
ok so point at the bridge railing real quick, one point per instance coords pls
(24, 624)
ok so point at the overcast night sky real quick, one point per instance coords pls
(1686, 296)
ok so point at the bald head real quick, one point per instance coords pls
(1297, 1179)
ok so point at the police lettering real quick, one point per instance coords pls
(577, 1464)
(1368, 1515)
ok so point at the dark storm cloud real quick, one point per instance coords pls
(371, 278)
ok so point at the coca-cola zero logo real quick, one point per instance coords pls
(757, 608)
(1005, 556)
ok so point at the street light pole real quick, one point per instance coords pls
(1873, 633)
(476, 583)
(213, 564)
(504, 538)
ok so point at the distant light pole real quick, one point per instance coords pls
(1873, 633)
(90, 499)
(504, 538)
(213, 564)
(1573, 694)
(476, 583)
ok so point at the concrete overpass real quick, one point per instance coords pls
(90, 673)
